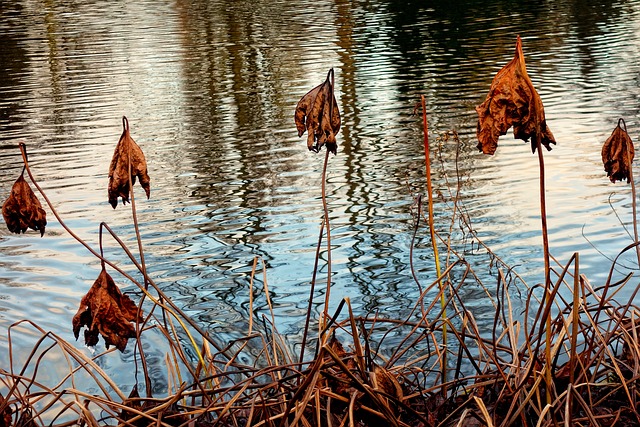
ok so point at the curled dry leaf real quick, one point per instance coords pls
(385, 381)
(119, 168)
(512, 101)
(23, 210)
(617, 154)
(317, 113)
(106, 311)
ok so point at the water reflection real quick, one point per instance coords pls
(209, 88)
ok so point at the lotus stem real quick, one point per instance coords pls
(411, 248)
(125, 124)
(311, 293)
(323, 226)
(635, 214)
(547, 269)
(443, 300)
(325, 313)
(633, 194)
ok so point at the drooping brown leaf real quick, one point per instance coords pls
(23, 210)
(617, 154)
(512, 101)
(106, 311)
(119, 168)
(317, 113)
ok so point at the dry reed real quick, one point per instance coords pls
(367, 370)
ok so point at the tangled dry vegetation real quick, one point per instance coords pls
(565, 353)
(429, 369)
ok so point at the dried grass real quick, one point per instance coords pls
(368, 370)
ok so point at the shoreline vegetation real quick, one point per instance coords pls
(566, 354)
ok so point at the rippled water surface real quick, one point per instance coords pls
(209, 89)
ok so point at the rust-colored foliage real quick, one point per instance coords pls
(106, 311)
(339, 381)
(617, 154)
(317, 113)
(5, 416)
(23, 210)
(119, 168)
(25, 418)
(170, 415)
(132, 402)
(385, 380)
(512, 101)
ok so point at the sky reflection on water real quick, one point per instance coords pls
(209, 89)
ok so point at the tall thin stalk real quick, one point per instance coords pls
(134, 216)
(547, 268)
(434, 245)
(635, 214)
(633, 194)
(311, 293)
(171, 307)
(325, 225)
(325, 312)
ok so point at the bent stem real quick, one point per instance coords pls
(633, 194)
(25, 161)
(134, 217)
(171, 307)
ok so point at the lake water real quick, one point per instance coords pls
(209, 88)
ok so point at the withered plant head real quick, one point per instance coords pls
(512, 101)
(617, 154)
(119, 168)
(317, 113)
(106, 311)
(23, 210)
